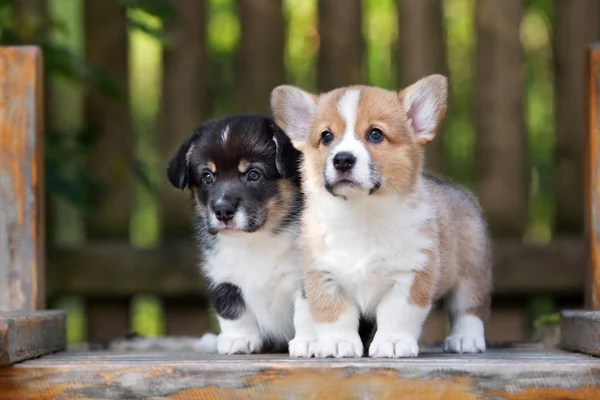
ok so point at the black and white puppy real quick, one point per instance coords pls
(242, 174)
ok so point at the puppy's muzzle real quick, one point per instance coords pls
(225, 209)
(344, 161)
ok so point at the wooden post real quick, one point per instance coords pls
(24, 333)
(501, 145)
(260, 58)
(421, 52)
(340, 60)
(592, 172)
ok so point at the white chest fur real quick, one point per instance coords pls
(372, 243)
(267, 269)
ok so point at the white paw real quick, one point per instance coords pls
(464, 344)
(340, 346)
(393, 346)
(302, 346)
(208, 343)
(231, 344)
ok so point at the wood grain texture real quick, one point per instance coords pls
(341, 45)
(501, 374)
(421, 52)
(501, 141)
(173, 269)
(24, 336)
(22, 251)
(580, 331)
(260, 59)
(576, 24)
(592, 174)
(184, 95)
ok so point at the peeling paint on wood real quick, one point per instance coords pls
(592, 173)
(21, 180)
(24, 336)
(499, 374)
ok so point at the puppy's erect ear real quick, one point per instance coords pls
(178, 170)
(287, 156)
(293, 110)
(425, 105)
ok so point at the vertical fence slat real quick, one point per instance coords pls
(502, 165)
(576, 24)
(106, 44)
(421, 52)
(107, 317)
(183, 103)
(592, 173)
(22, 219)
(341, 48)
(186, 316)
(259, 64)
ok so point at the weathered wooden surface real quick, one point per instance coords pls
(24, 336)
(172, 269)
(499, 374)
(580, 331)
(22, 251)
(592, 174)
(501, 140)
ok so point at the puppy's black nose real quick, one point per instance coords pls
(344, 160)
(224, 211)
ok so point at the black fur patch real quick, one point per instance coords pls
(227, 300)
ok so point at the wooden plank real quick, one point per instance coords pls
(422, 51)
(259, 64)
(184, 102)
(575, 25)
(24, 336)
(116, 268)
(506, 373)
(580, 331)
(501, 142)
(110, 120)
(592, 174)
(341, 44)
(22, 249)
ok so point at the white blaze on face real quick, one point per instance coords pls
(225, 134)
(348, 108)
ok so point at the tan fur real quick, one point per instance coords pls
(242, 166)
(211, 166)
(425, 282)
(326, 304)
(278, 207)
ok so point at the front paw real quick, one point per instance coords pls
(340, 346)
(302, 346)
(393, 346)
(232, 344)
(464, 344)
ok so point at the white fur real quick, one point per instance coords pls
(348, 108)
(466, 336)
(225, 134)
(399, 323)
(371, 241)
(241, 335)
(305, 340)
(340, 338)
(298, 111)
(422, 103)
(267, 269)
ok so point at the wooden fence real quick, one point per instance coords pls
(107, 271)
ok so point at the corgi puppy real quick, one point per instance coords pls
(382, 240)
(242, 175)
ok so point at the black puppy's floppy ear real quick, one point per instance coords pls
(287, 157)
(178, 170)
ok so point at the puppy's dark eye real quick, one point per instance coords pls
(326, 137)
(375, 136)
(208, 178)
(253, 175)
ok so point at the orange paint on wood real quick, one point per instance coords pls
(21, 179)
(592, 173)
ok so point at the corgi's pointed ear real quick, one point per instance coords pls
(178, 170)
(287, 157)
(293, 110)
(425, 105)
